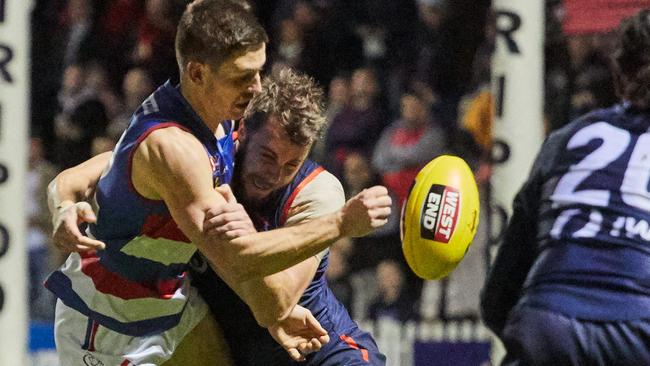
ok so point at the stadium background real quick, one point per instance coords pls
(402, 76)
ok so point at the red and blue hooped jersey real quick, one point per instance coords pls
(138, 285)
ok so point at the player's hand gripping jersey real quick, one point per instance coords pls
(138, 286)
(579, 239)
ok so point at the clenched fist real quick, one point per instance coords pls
(366, 211)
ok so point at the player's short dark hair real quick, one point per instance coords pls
(211, 31)
(632, 59)
(293, 98)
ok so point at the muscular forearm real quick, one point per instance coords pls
(269, 252)
(60, 194)
(77, 183)
(281, 291)
(268, 298)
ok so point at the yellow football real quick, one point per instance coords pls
(439, 217)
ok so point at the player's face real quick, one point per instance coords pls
(271, 161)
(234, 83)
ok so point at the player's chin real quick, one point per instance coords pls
(257, 194)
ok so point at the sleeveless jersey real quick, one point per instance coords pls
(235, 318)
(275, 216)
(593, 226)
(138, 285)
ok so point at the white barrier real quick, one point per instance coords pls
(14, 122)
(397, 340)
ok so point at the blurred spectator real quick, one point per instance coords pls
(393, 301)
(330, 44)
(578, 78)
(287, 52)
(430, 14)
(477, 118)
(97, 80)
(101, 144)
(75, 138)
(339, 91)
(154, 47)
(119, 25)
(593, 88)
(359, 124)
(338, 273)
(357, 174)
(80, 43)
(406, 146)
(382, 243)
(73, 90)
(42, 258)
(136, 87)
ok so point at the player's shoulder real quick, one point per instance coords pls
(171, 141)
(612, 115)
(559, 138)
(322, 193)
(324, 185)
(169, 148)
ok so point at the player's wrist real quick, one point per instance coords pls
(339, 222)
(63, 205)
(60, 208)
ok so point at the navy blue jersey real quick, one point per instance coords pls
(253, 345)
(142, 270)
(578, 242)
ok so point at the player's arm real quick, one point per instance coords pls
(273, 251)
(517, 251)
(513, 261)
(172, 165)
(319, 197)
(65, 197)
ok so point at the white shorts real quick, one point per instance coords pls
(78, 343)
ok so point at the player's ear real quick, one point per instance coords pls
(241, 131)
(196, 72)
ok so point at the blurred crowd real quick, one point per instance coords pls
(407, 81)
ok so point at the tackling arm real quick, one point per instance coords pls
(272, 251)
(171, 165)
(79, 182)
(319, 197)
(65, 198)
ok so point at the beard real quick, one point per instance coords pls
(237, 181)
(239, 184)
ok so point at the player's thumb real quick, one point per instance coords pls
(85, 212)
(226, 192)
(314, 325)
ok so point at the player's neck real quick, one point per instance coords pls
(199, 108)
